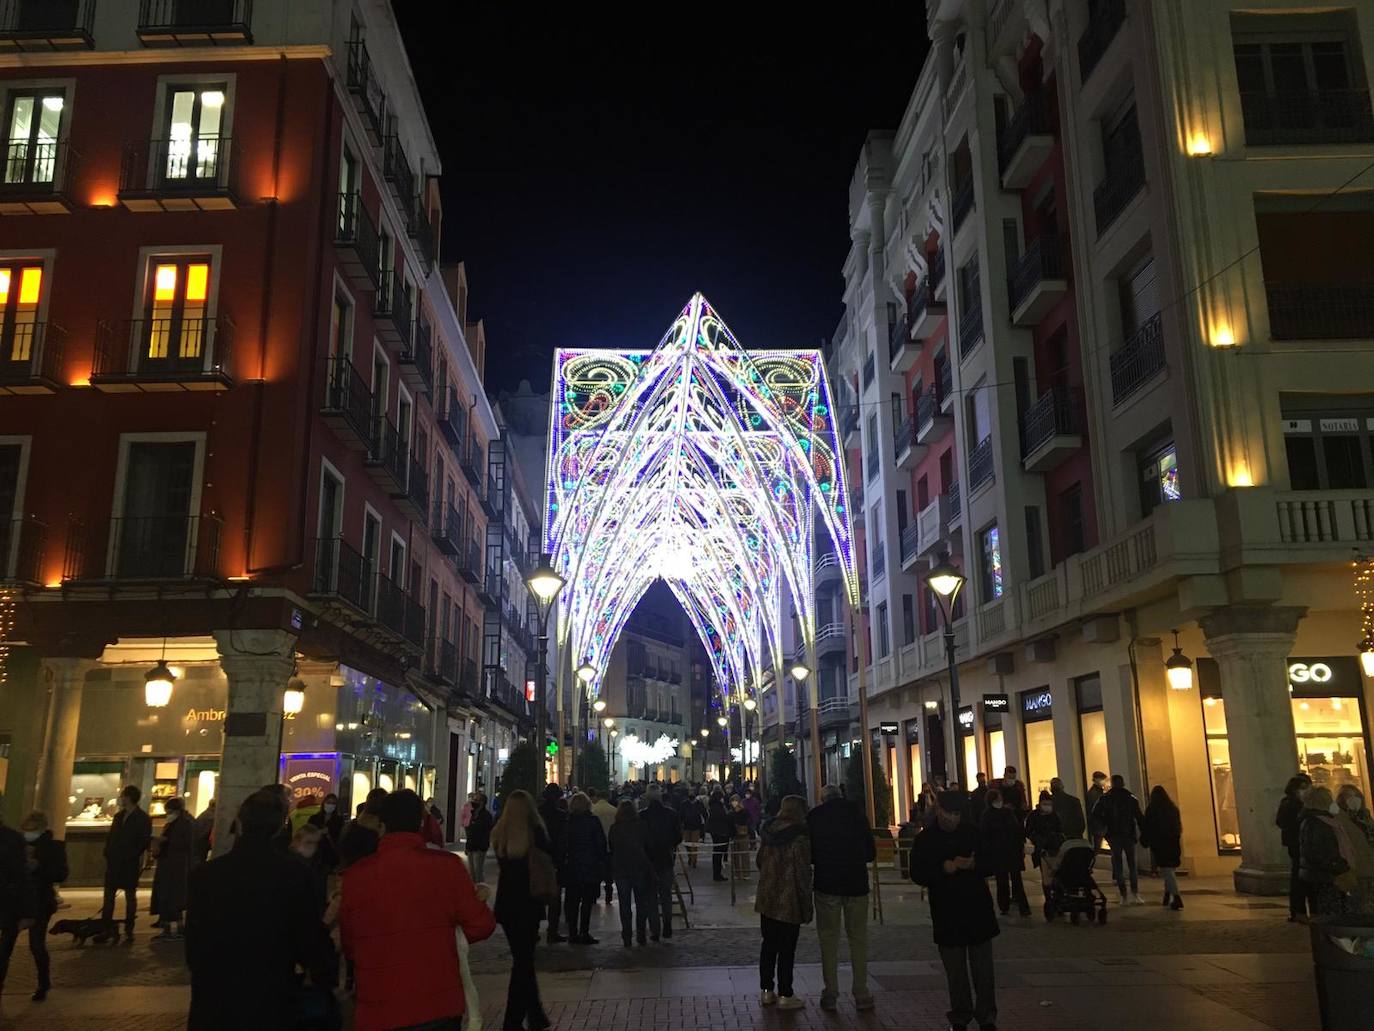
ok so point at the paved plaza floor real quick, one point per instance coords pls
(1225, 963)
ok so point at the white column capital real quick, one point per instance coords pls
(250, 653)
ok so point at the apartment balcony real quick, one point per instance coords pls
(963, 202)
(491, 589)
(1306, 118)
(870, 369)
(1107, 18)
(936, 275)
(1320, 311)
(32, 361)
(933, 523)
(1051, 430)
(443, 662)
(954, 496)
(1039, 280)
(163, 354)
(413, 496)
(39, 25)
(36, 178)
(388, 456)
(420, 229)
(827, 569)
(849, 424)
(1119, 186)
(902, 351)
(358, 245)
(396, 612)
(125, 549)
(470, 562)
(368, 98)
(834, 713)
(415, 361)
(830, 639)
(22, 544)
(491, 500)
(396, 170)
(1139, 360)
(390, 307)
(445, 526)
(471, 462)
(347, 407)
(468, 681)
(857, 513)
(451, 417)
(906, 443)
(341, 574)
(980, 465)
(971, 324)
(194, 23)
(180, 175)
(923, 313)
(1025, 142)
(911, 536)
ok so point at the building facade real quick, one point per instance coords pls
(244, 432)
(1090, 274)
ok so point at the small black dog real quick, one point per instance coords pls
(80, 930)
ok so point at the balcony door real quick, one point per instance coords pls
(153, 532)
(21, 288)
(10, 457)
(193, 142)
(33, 125)
(176, 328)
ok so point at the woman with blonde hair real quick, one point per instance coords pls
(524, 855)
(784, 901)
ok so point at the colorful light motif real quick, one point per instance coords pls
(701, 464)
(643, 753)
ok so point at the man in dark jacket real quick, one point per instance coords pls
(841, 848)
(664, 831)
(693, 815)
(1069, 810)
(19, 902)
(128, 839)
(721, 830)
(1013, 793)
(554, 812)
(400, 909)
(1004, 851)
(1288, 819)
(978, 800)
(947, 860)
(1090, 800)
(254, 915)
(1118, 814)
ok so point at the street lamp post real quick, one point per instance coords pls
(724, 723)
(705, 734)
(544, 583)
(749, 706)
(946, 580)
(800, 671)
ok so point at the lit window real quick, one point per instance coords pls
(175, 331)
(31, 139)
(19, 310)
(993, 584)
(193, 134)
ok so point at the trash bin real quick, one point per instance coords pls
(1343, 953)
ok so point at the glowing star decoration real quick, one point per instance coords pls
(738, 753)
(641, 753)
(701, 464)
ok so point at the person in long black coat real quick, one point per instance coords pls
(1004, 844)
(554, 812)
(1161, 831)
(584, 867)
(331, 821)
(518, 832)
(130, 834)
(174, 849)
(1287, 819)
(253, 917)
(720, 828)
(950, 860)
(45, 860)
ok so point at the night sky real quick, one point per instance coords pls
(599, 169)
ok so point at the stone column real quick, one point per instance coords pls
(257, 664)
(66, 678)
(1154, 716)
(1251, 644)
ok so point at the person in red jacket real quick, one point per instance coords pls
(400, 909)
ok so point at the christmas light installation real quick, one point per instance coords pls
(701, 464)
(642, 753)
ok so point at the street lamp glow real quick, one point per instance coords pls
(544, 581)
(705, 733)
(157, 686)
(1367, 656)
(721, 721)
(293, 698)
(608, 723)
(800, 671)
(750, 705)
(599, 705)
(945, 580)
(586, 672)
(1178, 668)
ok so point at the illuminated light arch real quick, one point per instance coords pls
(701, 464)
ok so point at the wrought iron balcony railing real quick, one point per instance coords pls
(980, 464)
(1107, 17)
(1055, 413)
(1032, 118)
(1123, 179)
(1137, 361)
(963, 202)
(202, 171)
(143, 548)
(153, 353)
(22, 544)
(1042, 260)
(342, 572)
(1320, 311)
(31, 361)
(193, 22)
(45, 25)
(1307, 117)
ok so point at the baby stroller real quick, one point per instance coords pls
(1069, 885)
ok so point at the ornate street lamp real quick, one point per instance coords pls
(946, 581)
(1178, 668)
(157, 685)
(544, 583)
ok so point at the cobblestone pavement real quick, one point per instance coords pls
(1225, 964)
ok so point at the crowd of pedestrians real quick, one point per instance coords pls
(1330, 842)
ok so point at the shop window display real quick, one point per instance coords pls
(997, 752)
(1042, 763)
(970, 761)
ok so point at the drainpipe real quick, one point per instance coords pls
(1138, 720)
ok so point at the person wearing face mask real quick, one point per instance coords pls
(130, 834)
(45, 860)
(330, 823)
(1090, 800)
(1359, 830)
(1045, 831)
(949, 860)
(173, 850)
(1287, 819)
(1014, 795)
(1161, 831)
(1069, 810)
(1118, 813)
(1004, 844)
(1326, 856)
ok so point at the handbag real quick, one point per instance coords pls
(543, 877)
